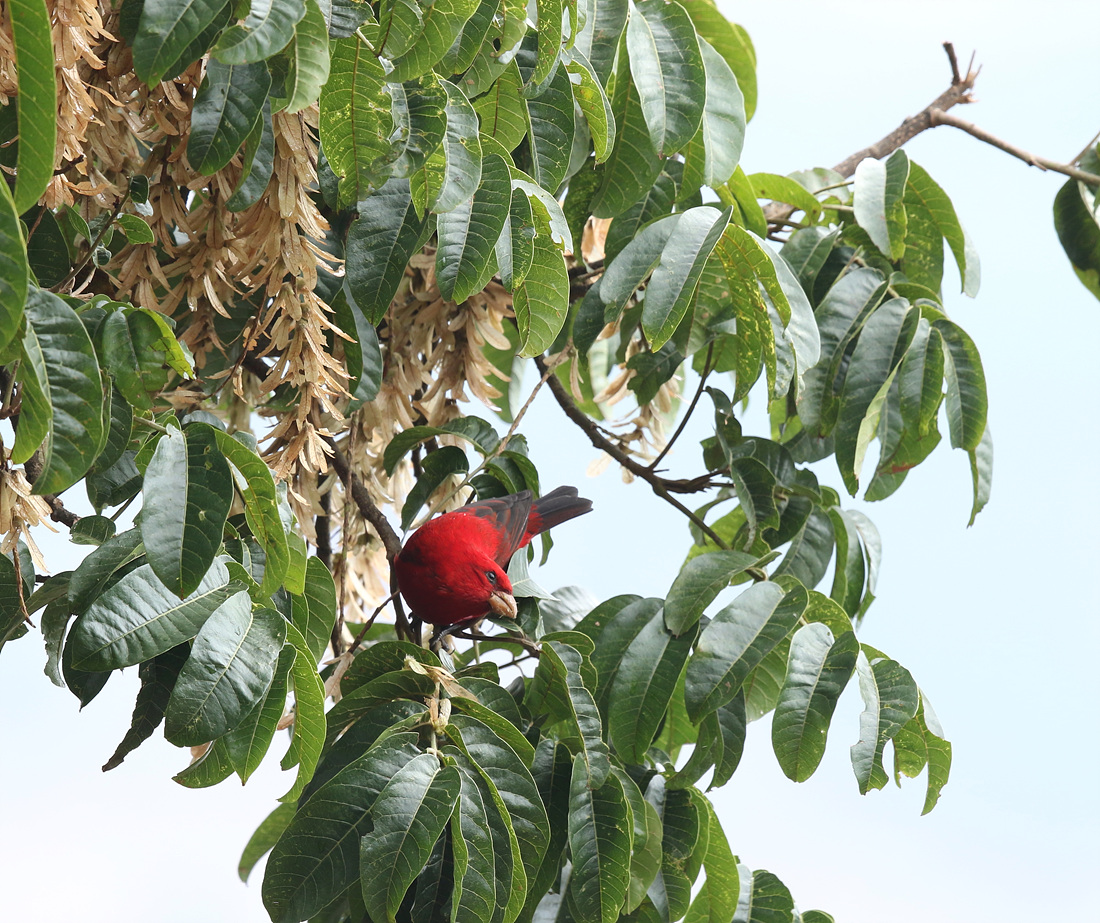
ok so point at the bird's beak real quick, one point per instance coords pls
(503, 604)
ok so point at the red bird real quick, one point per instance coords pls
(452, 569)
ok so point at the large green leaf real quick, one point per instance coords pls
(924, 190)
(593, 101)
(317, 857)
(699, 582)
(461, 151)
(501, 111)
(314, 613)
(633, 165)
(871, 371)
(267, 29)
(165, 31)
(190, 490)
(356, 121)
(878, 201)
(921, 743)
(408, 814)
(228, 104)
(550, 127)
(249, 741)
(668, 70)
(763, 898)
(818, 669)
(644, 685)
(309, 59)
(468, 234)
(967, 402)
(443, 21)
(636, 261)
(36, 102)
(559, 689)
(541, 300)
(420, 117)
(138, 618)
(380, 242)
(675, 277)
(309, 736)
(229, 671)
(599, 843)
(256, 487)
(716, 901)
(14, 271)
(890, 700)
(598, 39)
(981, 473)
(552, 770)
(731, 41)
(62, 410)
(722, 129)
(264, 837)
(735, 641)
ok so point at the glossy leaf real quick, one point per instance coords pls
(923, 189)
(732, 42)
(919, 744)
(890, 700)
(722, 129)
(408, 814)
(138, 618)
(699, 582)
(550, 127)
(36, 102)
(314, 613)
(599, 842)
(264, 837)
(227, 105)
(633, 165)
(309, 735)
(268, 28)
(309, 58)
(967, 403)
(165, 31)
(541, 300)
(181, 539)
(443, 20)
(229, 671)
(589, 94)
(158, 677)
(668, 70)
(249, 741)
(62, 409)
(735, 641)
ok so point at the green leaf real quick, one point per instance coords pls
(409, 814)
(598, 39)
(784, 189)
(921, 743)
(967, 403)
(668, 70)
(268, 29)
(763, 899)
(644, 685)
(599, 843)
(732, 42)
(921, 188)
(636, 261)
(264, 837)
(92, 574)
(309, 736)
(380, 242)
(36, 102)
(461, 150)
(420, 116)
(400, 23)
(878, 200)
(732, 722)
(138, 618)
(633, 165)
(981, 473)
(871, 371)
(501, 111)
(250, 740)
(558, 688)
(699, 582)
(229, 671)
(589, 94)
(722, 129)
(309, 59)
(158, 677)
(890, 700)
(468, 234)
(314, 613)
(356, 121)
(256, 486)
(473, 429)
(443, 21)
(317, 856)
(676, 276)
(735, 641)
(552, 770)
(209, 769)
(716, 901)
(818, 669)
(259, 158)
(182, 537)
(136, 229)
(541, 300)
(62, 409)
(550, 127)
(228, 103)
(165, 31)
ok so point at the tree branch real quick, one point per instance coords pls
(958, 93)
(939, 117)
(366, 506)
(660, 485)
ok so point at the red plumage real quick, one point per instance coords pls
(452, 569)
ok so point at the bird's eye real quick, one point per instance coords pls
(491, 575)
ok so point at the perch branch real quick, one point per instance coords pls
(939, 117)
(370, 512)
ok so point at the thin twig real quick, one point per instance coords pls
(369, 622)
(365, 504)
(659, 485)
(939, 117)
(1088, 147)
(950, 49)
(75, 271)
(691, 408)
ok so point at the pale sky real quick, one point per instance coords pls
(994, 622)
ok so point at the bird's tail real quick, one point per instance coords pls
(553, 508)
